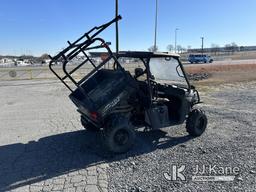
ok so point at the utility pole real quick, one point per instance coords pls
(202, 45)
(156, 18)
(176, 30)
(117, 32)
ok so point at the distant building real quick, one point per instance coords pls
(247, 48)
(223, 49)
(23, 62)
(6, 62)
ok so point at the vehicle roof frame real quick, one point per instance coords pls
(145, 57)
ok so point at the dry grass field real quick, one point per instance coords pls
(224, 73)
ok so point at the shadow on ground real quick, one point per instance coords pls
(25, 164)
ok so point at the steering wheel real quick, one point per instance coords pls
(139, 74)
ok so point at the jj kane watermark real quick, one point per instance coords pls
(203, 173)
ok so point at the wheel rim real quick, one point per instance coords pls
(121, 137)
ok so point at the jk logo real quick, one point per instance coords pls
(176, 173)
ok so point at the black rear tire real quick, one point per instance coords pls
(196, 123)
(119, 135)
(88, 126)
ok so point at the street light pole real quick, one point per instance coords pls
(202, 45)
(117, 32)
(156, 18)
(176, 30)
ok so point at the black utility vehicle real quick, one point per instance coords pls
(116, 102)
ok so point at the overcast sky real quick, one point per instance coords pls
(39, 26)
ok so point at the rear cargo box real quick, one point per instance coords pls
(103, 92)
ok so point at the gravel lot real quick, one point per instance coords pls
(228, 142)
(44, 148)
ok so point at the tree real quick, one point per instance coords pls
(170, 48)
(228, 47)
(183, 50)
(189, 48)
(153, 49)
(215, 48)
(26, 57)
(179, 48)
(234, 47)
(44, 56)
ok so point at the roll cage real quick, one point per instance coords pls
(146, 56)
(84, 44)
(81, 45)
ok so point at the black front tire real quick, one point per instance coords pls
(119, 135)
(196, 123)
(88, 126)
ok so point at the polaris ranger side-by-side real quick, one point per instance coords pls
(116, 102)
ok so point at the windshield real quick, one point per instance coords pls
(167, 70)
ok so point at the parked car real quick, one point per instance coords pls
(200, 59)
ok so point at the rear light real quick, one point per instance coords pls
(94, 115)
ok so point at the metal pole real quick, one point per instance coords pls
(117, 32)
(156, 18)
(176, 39)
(202, 45)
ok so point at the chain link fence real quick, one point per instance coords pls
(25, 73)
(30, 73)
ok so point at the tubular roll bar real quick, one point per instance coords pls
(80, 46)
(87, 35)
